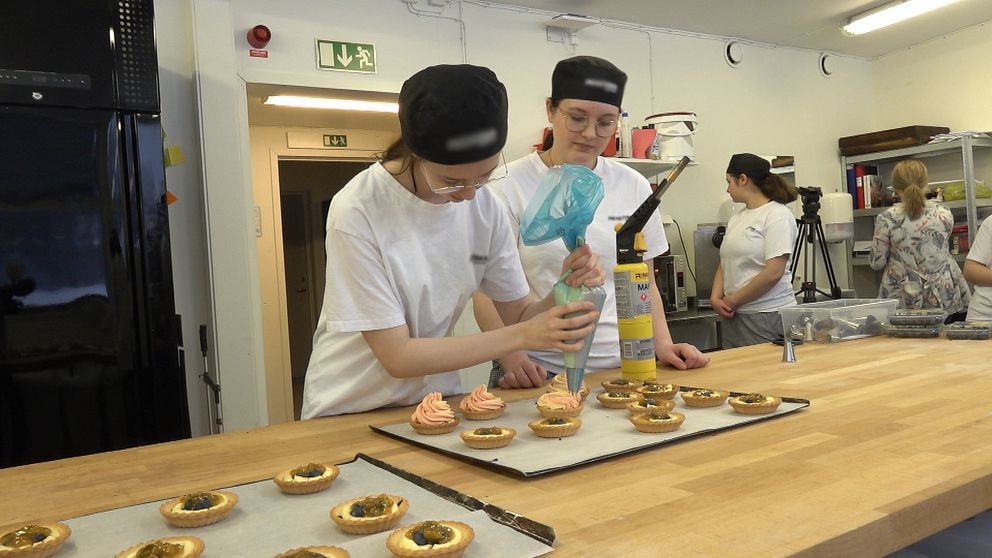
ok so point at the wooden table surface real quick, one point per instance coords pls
(896, 445)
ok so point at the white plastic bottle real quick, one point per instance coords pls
(625, 146)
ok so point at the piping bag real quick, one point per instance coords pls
(563, 207)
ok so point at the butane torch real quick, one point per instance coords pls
(632, 280)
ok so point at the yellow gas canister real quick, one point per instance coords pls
(633, 296)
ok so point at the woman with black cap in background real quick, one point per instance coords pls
(584, 107)
(753, 280)
(404, 256)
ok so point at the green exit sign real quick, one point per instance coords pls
(332, 140)
(346, 57)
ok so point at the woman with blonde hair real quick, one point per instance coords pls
(910, 246)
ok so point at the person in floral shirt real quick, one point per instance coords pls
(910, 246)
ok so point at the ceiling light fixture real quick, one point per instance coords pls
(890, 13)
(322, 103)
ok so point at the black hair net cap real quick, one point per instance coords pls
(752, 165)
(588, 78)
(453, 114)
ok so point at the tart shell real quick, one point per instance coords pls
(769, 405)
(691, 401)
(658, 394)
(395, 543)
(636, 408)
(198, 518)
(630, 387)
(44, 549)
(617, 402)
(362, 526)
(302, 485)
(192, 547)
(329, 551)
(488, 441)
(560, 413)
(643, 424)
(555, 430)
(482, 415)
(433, 429)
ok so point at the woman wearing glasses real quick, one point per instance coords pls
(586, 93)
(405, 254)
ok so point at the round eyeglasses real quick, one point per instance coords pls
(578, 123)
(454, 186)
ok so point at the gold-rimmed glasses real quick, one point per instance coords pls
(578, 122)
(454, 186)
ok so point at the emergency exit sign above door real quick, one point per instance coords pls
(346, 57)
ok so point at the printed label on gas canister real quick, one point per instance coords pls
(633, 294)
(637, 349)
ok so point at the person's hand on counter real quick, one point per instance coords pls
(521, 372)
(682, 356)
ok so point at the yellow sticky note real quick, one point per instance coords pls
(174, 155)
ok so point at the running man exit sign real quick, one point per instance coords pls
(346, 57)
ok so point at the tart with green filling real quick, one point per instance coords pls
(657, 390)
(622, 384)
(316, 552)
(38, 540)
(650, 405)
(555, 427)
(755, 404)
(657, 421)
(704, 397)
(167, 547)
(199, 508)
(489, 437)
(617, 399)
(369, 514)
(310, 478)
(431, 539)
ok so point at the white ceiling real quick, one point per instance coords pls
(807, 24)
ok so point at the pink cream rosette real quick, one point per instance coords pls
(481, 405)
(433, 416)
(559, 404)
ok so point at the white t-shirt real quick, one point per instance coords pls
(624, 191)
(753, 237)
(980, 307)
(394, 259)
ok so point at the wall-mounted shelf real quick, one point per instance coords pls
(649, 168)
(956, 204)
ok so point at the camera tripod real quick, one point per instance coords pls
(811, 232)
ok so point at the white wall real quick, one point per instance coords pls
(775, 102)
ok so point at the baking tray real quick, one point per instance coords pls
(266, 522)
(605, 433)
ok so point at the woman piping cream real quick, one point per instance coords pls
(408, 242)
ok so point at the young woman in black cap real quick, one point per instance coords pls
(753, 279)
(404, 256)
(584, 107)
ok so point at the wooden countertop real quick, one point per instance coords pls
(896, 445)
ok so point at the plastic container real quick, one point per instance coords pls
(675, 131)
(969, 330)
(913, 331)
(953, 190)
(626, 149)
(837, 216)
(837, 320)
(912, 317)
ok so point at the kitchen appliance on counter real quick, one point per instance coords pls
(670, 275)
(89, 357)
(706, 240)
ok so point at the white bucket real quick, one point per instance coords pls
(675, 130)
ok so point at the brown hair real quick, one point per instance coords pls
(777, 189)
(398, 150)
(758, 169)
(909, 180)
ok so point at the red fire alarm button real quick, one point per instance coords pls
(259, 36)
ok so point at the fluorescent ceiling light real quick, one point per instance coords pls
(890, 13)
(322, 103)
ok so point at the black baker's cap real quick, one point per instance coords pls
(755, 167)
(588, 78)
(453, 114)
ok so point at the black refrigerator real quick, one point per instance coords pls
(89, 356)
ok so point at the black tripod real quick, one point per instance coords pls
(811, 232)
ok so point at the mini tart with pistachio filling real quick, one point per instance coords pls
(38, 540)
(199, 508)
(657, 390)
(489, 437)
(316, 552)
(657, 421)
(434, 539)
(755, 404)
(555, 427)
(704, 397)
(617, 399)
(369, 514)
(650, 405)
(622, 384)
(310, 478)
(166, 547)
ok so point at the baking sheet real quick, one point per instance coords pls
(605, 433)
(266, 522)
